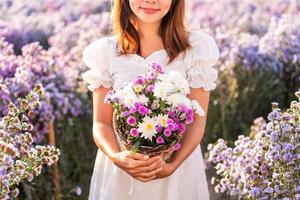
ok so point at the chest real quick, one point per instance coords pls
(125, 68)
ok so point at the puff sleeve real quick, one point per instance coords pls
(96, 57)
(203, 56)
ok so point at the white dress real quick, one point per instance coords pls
(188, 182)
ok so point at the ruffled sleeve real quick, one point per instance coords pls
(201, 60)
(96, 57)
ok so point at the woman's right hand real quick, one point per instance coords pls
(134, 164)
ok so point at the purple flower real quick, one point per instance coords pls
(156, 68)
(134, 132)
(255, 191)
(131, 120)
(139, 80)
(159, 129)
(171, 114)
(287, 156)
(274, 116)
(182, 108)
(171, 125)
(160, 140)
(3, 171)
(189, 119)
(150, 88)
(138, 104)
(124, 114)
(167, 132)
(181, 127)
(268, 190)
(177, 146)
(132, 110)
(143, 110)
(274, 135)
(288, 146)
(286, 128)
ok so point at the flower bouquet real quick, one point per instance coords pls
(151, 112)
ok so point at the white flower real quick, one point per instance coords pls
(179, 98)
(147, 127)
(143, 99)
(162, 120)
(176, 79)
(198, 108)
(130, 99)
(127, 95)
(162, 89)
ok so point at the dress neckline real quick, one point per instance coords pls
(139, 57)
(150, 55)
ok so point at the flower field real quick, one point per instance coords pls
(41, 44)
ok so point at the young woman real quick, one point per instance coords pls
(149, 31)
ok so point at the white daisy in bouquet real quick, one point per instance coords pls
(152, 111)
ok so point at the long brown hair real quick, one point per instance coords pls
(172, 29)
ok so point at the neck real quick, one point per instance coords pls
(148, 30)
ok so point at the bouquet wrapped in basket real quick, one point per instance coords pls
(151, 112)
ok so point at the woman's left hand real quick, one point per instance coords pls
(167, 170)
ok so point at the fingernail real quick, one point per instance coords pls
(146, 157)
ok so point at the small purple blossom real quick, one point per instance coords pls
(143, 110)
(159, 129)
(177, 146)
(160, 140)
(156, 68)
(131, 120)
(268, 190)
(139, 80)
(167, 132)
(181, 127)
(132, 110)
(255, 191)
(150, 88)
(274, 116)
(134, 132)
(124, 114)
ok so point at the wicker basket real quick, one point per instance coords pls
(165, 151)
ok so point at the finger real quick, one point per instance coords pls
(138, 156)
(142, 163)
(147, 168)
(149, 174)
(145, 179)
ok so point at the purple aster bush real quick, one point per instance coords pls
(250, 16)
(282, 43)
(266, 165)
(24, 22)
(20, 159)
(18, 75)
(153, 117)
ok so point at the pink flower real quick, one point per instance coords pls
(131, 120)
(160, 140)
(167, 132)
(177, 146)
(134, 132)
(143, 110)
(150, 88)
(132, 110)
(139, 80)
(181, 127)
(159, 129)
